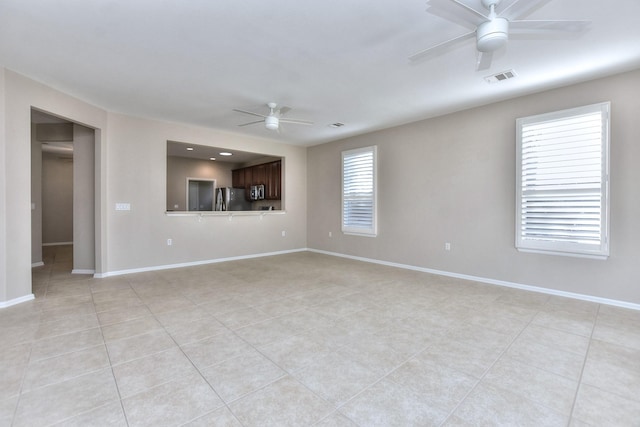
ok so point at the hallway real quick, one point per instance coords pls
(56, 271)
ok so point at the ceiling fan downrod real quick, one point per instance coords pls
(494, 33)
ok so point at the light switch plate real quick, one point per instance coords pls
(123, 206)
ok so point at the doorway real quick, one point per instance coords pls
(200, 194)
(62, 192)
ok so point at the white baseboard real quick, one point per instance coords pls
(9, 303)
(37, 264)
(549, 291)
(192, 264)
(82, 271)
(57, 244)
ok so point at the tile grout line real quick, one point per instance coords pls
(113, 375)
(225, 405)
(305, 320)
(584, 364)
(24, 375)
(502, 353)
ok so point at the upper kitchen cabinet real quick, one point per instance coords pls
(237, 178)
(274, 181)
(259, 175)
(267, 174)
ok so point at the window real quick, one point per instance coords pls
(562, 202)
(359, 191)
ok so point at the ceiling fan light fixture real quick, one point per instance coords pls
(271, 122)
(492, 35)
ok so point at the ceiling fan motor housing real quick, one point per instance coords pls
(271, 122)
(492, 35)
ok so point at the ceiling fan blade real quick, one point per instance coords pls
(295, 121)
(249, 112)
(451, 12)
(521, 8)
(484, 60)
(550, 25)
(284, 110)
(470, 9)
(251, 123)
(441, 47)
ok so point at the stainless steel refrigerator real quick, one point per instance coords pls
(232, 199)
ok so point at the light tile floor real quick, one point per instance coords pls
(307, 339)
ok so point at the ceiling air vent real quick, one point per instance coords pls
(500, 77)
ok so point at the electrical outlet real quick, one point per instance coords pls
(169, 242)
(284, 233)
(330, 234)
(447, 246)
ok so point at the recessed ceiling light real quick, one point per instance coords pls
(225, 153)
(212, 158)
(189, 148)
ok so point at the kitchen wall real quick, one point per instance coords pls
(181, 168)
(452, 179)
(131, 168)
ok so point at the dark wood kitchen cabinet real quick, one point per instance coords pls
(267, 174)
(241, 178)
(259, 175)
(274, 181)
(248, 178)
(237, 178)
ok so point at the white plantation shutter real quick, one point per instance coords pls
(562, 203)
(359, 191)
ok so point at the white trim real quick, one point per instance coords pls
(57, 244)
(361, 230)
(591, 298)
(82, 271)
(5, 304)
(37, 264)
(192, 264)
(535, 230)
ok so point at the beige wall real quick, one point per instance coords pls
(36, 198)
(449, 179)
(137, 238)
(5, 295)
(83, 199)
(57, 199)
(452, 179)
(131, 167)
(18, 96)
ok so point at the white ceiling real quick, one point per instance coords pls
(331, 61)
(193, 151)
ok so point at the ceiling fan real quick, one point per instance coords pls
(492, 29)
(274, 118)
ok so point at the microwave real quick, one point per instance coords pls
(256, 192)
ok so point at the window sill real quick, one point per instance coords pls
(568, 254)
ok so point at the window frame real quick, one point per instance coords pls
(372, 230)
(599, 250)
